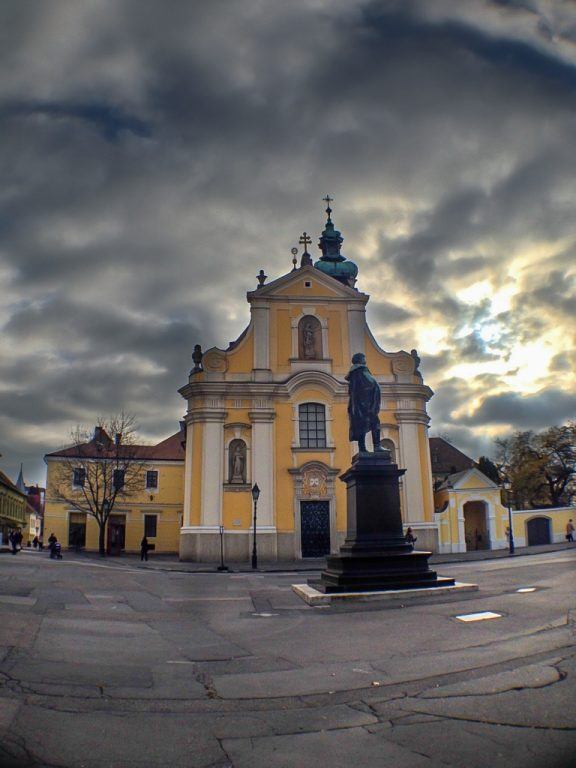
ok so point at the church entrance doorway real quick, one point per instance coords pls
(315, 528)
(116, 534)
(476, 526)
(538, 531)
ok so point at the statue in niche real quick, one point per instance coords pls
(363, 404)
(309, 339)
(237, 462)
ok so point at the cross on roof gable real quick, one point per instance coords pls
(276, 287)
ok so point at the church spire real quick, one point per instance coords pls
(20, 482)
(332, 262)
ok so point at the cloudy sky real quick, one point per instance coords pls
(154, 155)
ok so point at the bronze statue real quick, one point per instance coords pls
(363, 404)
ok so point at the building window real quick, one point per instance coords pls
(312, 425)
(118, 479)
(79, 477)
(150, 525)
(152, 478)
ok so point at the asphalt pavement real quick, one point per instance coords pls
(107, 662)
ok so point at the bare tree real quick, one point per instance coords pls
(102, 469)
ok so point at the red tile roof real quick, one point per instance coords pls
(169, 449)
(446, 458)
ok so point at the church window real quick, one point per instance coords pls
(309, 338)
(312, 425)
(79, 477)
(237, 461)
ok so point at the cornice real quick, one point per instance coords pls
(263, 416)
(206, 415)
(412, 417)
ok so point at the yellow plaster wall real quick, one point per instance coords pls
(237, 510)
(241, 358)
(425, 478)
(282, 344)
(376, 360)
(297, 288)
(195, 507)
(338, 339)
(559, 519)
(284, 490)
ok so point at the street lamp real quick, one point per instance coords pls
(255, 495)
(222, 567)
(507, 485)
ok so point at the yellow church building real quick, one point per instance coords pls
(271, 410)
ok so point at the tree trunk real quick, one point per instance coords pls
(101, 533)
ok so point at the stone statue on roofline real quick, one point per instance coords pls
(363, 404)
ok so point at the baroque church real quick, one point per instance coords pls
(271, 410)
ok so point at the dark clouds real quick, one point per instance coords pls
(533, 411)
(154, 156)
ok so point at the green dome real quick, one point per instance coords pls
(332, 262)
(345, 271)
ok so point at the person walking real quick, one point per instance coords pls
(51, 545)
(144, 549)
(570, 530)
(13, 538)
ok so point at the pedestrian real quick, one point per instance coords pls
(52, 540)
(410, 538)
(144, 549)
(570, 530)
(13, 538)
(19, 538)
(35, 542)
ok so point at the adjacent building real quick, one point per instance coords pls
(153, 510)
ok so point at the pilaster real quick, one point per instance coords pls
(263, 462)
(410, 457)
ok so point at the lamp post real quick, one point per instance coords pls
(222, 567)
(507, 485)
(255, 495)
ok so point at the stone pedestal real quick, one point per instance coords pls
(375, 555)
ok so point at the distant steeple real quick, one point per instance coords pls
(332, 262)
(20, 482)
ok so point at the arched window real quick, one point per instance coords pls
(312, 425)
(237, 461)
(309, 338)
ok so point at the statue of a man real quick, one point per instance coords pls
(363, 404)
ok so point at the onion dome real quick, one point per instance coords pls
(332, 262)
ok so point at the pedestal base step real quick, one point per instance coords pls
(313, 596)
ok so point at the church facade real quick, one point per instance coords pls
(271, 410)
